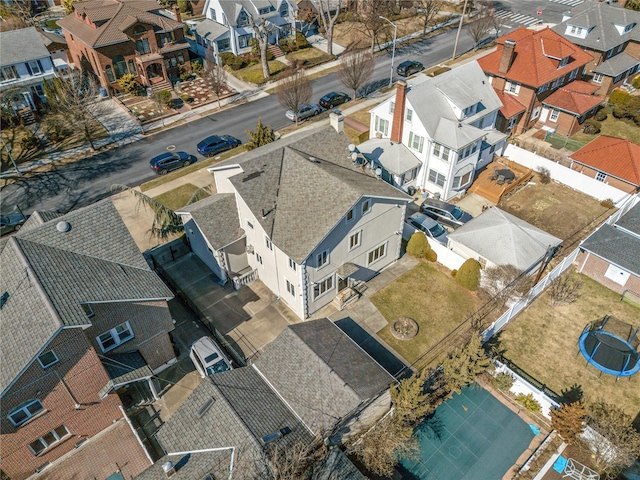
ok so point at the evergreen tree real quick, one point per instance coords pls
(568, 420)
(262, 135)
(462, 367)
(49, 95)
(468, 275)
(418, 245)
(410, 399)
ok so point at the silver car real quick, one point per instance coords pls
(208, 357)
(305, 111)
(420, 222)
(445, 213)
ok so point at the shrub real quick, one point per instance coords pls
(468, 275)
(186, 98)
(618, 97)
(545, 174)
(301, 41)
(197, 68)
(57, 129)
(233, 62)
(454, 272)
(528, 402)
(564, 290)
(163, 96)
(128, 83)
(601, 115)
(635, 83)
(184, 6)
(30, 140)
(269, 56)
(619, 111)
(607, 203)
(502, 381)
(591, 127)
(568, 420)
(431, 256)
(418, 245)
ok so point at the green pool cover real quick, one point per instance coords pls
(471, 436)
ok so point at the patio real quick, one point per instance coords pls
(500, 177)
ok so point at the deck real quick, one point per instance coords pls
(492, 187)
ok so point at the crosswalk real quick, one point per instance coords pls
(569, 3)
(513, 17)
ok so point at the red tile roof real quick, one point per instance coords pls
(615, 156)
(510, 104)
(536, 57)
(575, 97)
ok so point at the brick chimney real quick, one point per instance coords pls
(176, 13)
(398, 111)
(508, 50)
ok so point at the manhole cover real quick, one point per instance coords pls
(404, 328)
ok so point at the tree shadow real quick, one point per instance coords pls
(572, 394)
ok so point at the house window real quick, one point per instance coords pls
(212, 13)
(264, 10)
(322, 259)
(165, 38)
(563, 62)
(601, 176)
(249, 224)
(180, 58)
(142, 46)
(436, 149)
(349, 216)
(114, 337)
(284, 9)
(392, 106)
(410, 175)
(512, 87)
(259, 259)
(381, 125)
(243, 19)
(543, 88)
(512, 122)
(35, 68)
(554, 115)
(437, 178)
(376, 254)
(290, 288)
(26, 411)
(88, 311)
(558, 81)
(47, 359)
(322, 287)
(366, 207)
(51, 438)
(223, 45)
(617, 275)
(292, 264)
(461, 181)
(416, 141)
(268, 243)
(132, 68)
(536, 113)
(8, 73)
(445, 154)
(573, 74)
(139, 30)
(109, 72)
(355, 240)
(409, 114)
(243, 40)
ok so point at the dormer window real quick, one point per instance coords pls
(284, 9)
(264, 10)
(469, 110)
(138, 30)
(243, 19)
(563, 62)
(628, 28)
(575, 30)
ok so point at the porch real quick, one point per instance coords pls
(499, 178)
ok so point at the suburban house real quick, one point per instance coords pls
(23, 70)
(83, 317)
(111, 38)
(611, 35)
(610, 254)
(615, 161)
(496, 238)
(228, 25)
(529, 66)
(300, 215)
(566, 109)
(58, 48)
(436, 132)
(235, 421)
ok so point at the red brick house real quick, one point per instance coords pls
(111, 38)
(566, 109)
(529, 66)
(82, 317)
(615, 161)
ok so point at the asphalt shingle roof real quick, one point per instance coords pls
(616, 246)
(576, 97)
(217, 218)
(190, 466)
(615, 156)
(18, 46)
(631, 220)
(320, 372)
(504, 239)
(617, 65)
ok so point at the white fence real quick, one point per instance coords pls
(566, 176)
(446, 257)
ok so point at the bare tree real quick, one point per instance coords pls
(483, 24)
(370, 20)
(504, 282)
(294, 90)
(328, 20)
(355, 69)
(427, 10)
(214, 74)
(19, 14)
(262, 37)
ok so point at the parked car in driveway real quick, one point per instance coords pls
(170, 161)
(409, 67)
(419, 222)
(215, 144)
(12, 222)
(304, 111)
(208, 357)
(444, 212)
(333, 99)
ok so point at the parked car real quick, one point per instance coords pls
(304, 111)
(215, 144)
(444, 212)
(420, 222)
(170, 161)
(333, 99)
(409, 67)
(12, 222)
(208, 358)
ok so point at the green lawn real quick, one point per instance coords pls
(433, 299)
(309, 57)
(253, 74)
(542, 340)
(558, 141)
(178, 197)
(614, 127)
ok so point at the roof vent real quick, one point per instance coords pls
(3, 299)
(205, 408)
(275, 435)
(63, 227)
(169, 469)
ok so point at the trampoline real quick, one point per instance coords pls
(611, 346)
(471, 436)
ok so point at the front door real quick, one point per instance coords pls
(342, 283)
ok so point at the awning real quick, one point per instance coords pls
(347, 269)
(123, 368)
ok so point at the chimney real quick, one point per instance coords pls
(176, 13)
(508, 49)
(336, 120)
(168, 469)
(398, 111)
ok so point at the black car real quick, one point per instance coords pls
(215, 144)
(409, 67)
(12, 222)
(333, 99)
(444, 212)
(170, 161)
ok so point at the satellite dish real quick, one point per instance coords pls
(352, 147)
(378, 171)
(354, 156)
(63, 227)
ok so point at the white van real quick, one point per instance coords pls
(208, 357)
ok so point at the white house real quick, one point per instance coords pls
(308, 221)
(436, 132)
(227, 26)
(24, 65)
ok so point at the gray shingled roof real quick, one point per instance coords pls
(48, 273)
(320, 372)
(123, 368)
(211, 30)
(298, 201)
(464, 86)
(394, 157)
(504, 239)
(631, 220)
(616, 246)
(191, 466)
(232, 9)
(17, 46)
(601, 18)
(617, 65)
(38, 218)
(217, 218)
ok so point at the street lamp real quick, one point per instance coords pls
(455, 46)
(393, 52)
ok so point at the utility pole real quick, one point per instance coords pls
(455, 46)
(393, 52)
(8, 149)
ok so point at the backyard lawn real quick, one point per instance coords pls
(542, 341)
(430, 297)
(615, 127)
(178, 197)
(554, 208)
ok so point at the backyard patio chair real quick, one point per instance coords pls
(500, 180)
